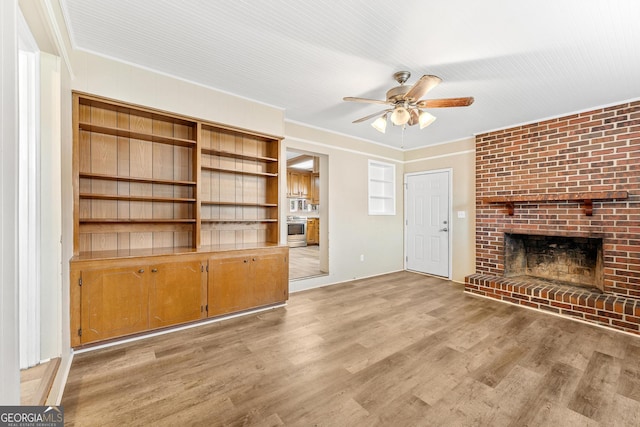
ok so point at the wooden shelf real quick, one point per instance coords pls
(126, 133)
(135, 179)
(586, 198)
(239, 220)
(136, 198)
(258, 205)
(237, 155)
(136, 221)
(211, 168)
(193, 159)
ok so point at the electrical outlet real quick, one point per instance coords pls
(361, 257)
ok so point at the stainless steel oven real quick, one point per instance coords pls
(296, 231)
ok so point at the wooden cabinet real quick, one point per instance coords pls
(248, 279)
(157, 196)
(177, 293)
(298, 184)
(119, 301)
(271, 276)
(313, 231)
(114, 303)
(315, 188)
(113, 298)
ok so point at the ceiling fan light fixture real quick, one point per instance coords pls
(380, 124)
(426, 119)
(400, 116)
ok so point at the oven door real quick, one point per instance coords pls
(297, 234)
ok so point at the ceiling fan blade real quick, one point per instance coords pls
(446, 102)
(366, 100)
(422, 86)
(370, 116)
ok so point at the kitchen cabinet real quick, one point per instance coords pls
(298, 184)
(315, 188)
(246, 279)
(313, 231)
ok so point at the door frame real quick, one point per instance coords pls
(405, 185)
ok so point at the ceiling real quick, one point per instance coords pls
(522, 61)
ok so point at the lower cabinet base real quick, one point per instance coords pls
(115, 298)
(175, 328)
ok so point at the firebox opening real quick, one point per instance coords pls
(576, 261)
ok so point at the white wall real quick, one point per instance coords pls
(50, 207)
(9, 347)
(352, 232)
(105, 77)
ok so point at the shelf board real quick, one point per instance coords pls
(586, 198)
(239, 220)
(211, 168)
(258, 205)
(135, 179)
(126, 133)
(136, 221)
(237, 155)
(136, 198)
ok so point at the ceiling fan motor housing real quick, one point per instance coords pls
(397, 93)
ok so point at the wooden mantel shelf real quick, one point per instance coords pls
(586, 198)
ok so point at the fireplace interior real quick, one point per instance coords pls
(563, 260)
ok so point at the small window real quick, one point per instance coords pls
(382, 188)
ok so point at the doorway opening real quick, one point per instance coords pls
(306, 211)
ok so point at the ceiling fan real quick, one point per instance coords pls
(406, 103)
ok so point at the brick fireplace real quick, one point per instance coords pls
(564, 194)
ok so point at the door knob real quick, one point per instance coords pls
(444, 229)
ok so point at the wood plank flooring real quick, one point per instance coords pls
(396, 350)
(304, 262)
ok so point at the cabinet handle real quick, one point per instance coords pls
(141, 271)
(246, 261)
(154, 270)
(253, 259)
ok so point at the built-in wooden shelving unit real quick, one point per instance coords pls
(175, 220)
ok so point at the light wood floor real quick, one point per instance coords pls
(395, 350)
(304, 262)
(35, 383)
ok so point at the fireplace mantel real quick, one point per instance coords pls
(586, 198)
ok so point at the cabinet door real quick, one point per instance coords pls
(271, 278)
(176, 293)
(312, 231)
(114, 303)
(229, 287)
(315, 188)
(290, 184)
(305, 185)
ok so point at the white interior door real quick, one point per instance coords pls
(427, 222)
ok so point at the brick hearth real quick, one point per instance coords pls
(577, 175)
